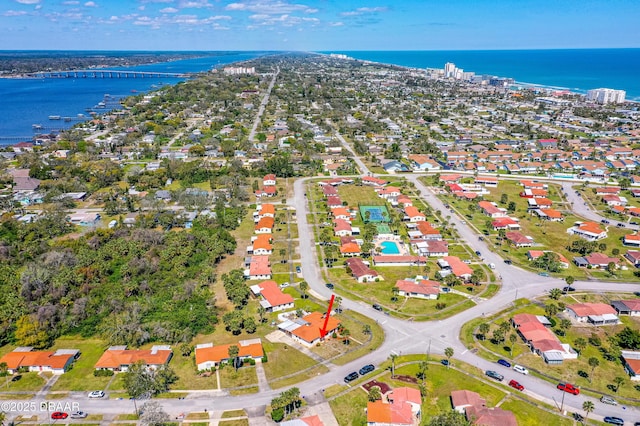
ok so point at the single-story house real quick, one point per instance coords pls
(420, 289)
(273, 299)
(119, 358)
(306, 330)
(631, 361)
(633, 256)
(360, 271)
(594, 313)
(627, 307)
(518, 239)
(209, 356)
(56, 362)
(475, 409)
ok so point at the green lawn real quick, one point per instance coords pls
(529, 415)
(80, 377)
(28, 382)
(284, 360)
(230, 378)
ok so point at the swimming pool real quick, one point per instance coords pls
(389, 247)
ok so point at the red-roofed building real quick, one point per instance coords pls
(598, 260)
(273, 299)
(431, 248)
(264, 225)
(334, 202)
(421, 289)
(534, 254)
(350, 249)
(261, 245)
(209, 356)
(549, 214)
(450, 178)
(341, 213)
(594, 313)
(456, 266)
(342, 228)
(590, 231)
(259, 268)
(534, 193)
(427, 231)
(56, 362)
(306, 330)
(528, 184)
(633, 256)
(266, 191)
(475, 409)
(329, 191)
(505, 223)
(491, 209)
(519, 240)
(269, 180)
(631, 240)
(414, 214)
(266, 210)
(373, 181)
(632, 364)
(405, 201)
(490, 181)
(541, 340)
(360, 271)
(399, 260)
(304, 421)
(608, 190)
(119, 358)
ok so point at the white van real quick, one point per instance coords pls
(492, 265)
(520, 369)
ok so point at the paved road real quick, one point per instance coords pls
(263, 105)
(581, 208)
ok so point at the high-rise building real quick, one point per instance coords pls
(606, 96)
(450, 69)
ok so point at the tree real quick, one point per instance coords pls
(511, 206)
(565, 324)
(512, 339)
(618, 381)
(483, 329)
(497, 336)
(570, 280)
(448, 352)
(250, 325)
(303, 288)
(153, 414)
(423, 366)
(261, 313)
(450, 418)
(611, 268)
(4, 372)
(588, 407)
(593, 363)
(139, 382)
(551, 309)
(285, 403)
(233, 355)
(374, 393)
(580, 344)
(504, 198)
(366, 329)
(345, 333)
(393, 358)
(555, 293)
(628, 338)
(395, 290)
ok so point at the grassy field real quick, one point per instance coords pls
(80, 377)
(230, 378)
(239, 422)
(284, 360)
(233, 413)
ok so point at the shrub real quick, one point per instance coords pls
(440, 306)
(264, 358)
(103, 373)
(277, 415)
(595, 340)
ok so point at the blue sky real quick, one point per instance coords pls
(317, 24)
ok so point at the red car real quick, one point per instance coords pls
(516, 385)
(59, 415)
(567, 387)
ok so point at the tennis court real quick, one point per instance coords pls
(376, 214)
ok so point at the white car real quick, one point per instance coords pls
(96, 394)
(78, 415)
(520, 369)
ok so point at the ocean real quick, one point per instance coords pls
(29, 102)
(577, 70)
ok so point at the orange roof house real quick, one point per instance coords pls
(403, 408)
(55, 362)
(267, 210)
(414, 214)
(273, 298)
(265, 225)
(119, 358)
(306, 330)
(590, 231)
(259, 268)
(262, 245)
(350, 249)
(209, 356)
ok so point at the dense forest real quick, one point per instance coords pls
(127, 285)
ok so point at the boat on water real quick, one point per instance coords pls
(54, 117)
(37, 126)
(67, 119)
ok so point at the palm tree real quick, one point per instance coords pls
(393, 357)
(512, 339)
(303, 288)
(618, 381)
(593, 363)
(261, 312)
(366, 329)
(580, 344)
(555, 293)
(345, 333)
(422, 370)
(483, 329)
(588, 407)
(448, 352)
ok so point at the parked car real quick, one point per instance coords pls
(298, 270)
(284, 285)
(619, 225)
(508, 261)
(569, 388)
(350, 377)
(329, 286)
(494, 375)
(377, 307)
(520, 369)
(96, 394)
(614, 420)
(608, 400)
(481, 238)
(366, 369)
(543, 274)
(504, 362)
(445, 290)
(516, 385)
(444, 362)
(78, 415)
(492, 265)
(59, 415)
(578, 417)
(604, 221)
(567, 289)
(478, 253)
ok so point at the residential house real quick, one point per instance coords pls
(534, 332)
(431, 248)
(119, 358)
(265, 210)
(518, 240)
(360, 271)
(631, 361)
(306, 330)
(414, 214)
(504, 223)
(534, 254)
(552, 215)
(304, 421)
(491, 210)
(539, 203)
(209, 356)
(627, 307)
(488, 181)
(589, 231)
(399, 260)
(593, 313)
(374, 181)
(631, 240)
(273, 299)
(418, 288)
(266, 192)
(350, 249)
(633, 256)
(264, 225)
(269, 180)
(595, 260)
(342, 227)
(475, 409)
(55, 362)
(341, 213)
(421, 162)
(427, 231)
(84, 219)
(259, 268)
(453, 265)
(333, 202)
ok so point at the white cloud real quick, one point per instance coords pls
(193, 4)
(70, 3)
(284, 20)
(28, 1)
(336, 24)
(14, 13)
(169, 10)
(91, 4)
(271, 7)
(364, 11)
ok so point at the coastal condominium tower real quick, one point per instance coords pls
(606, 96)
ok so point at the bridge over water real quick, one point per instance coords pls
(104, 73)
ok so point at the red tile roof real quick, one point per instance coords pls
(272, 294)
(124, 357)
(419, 287)
(16, 360)
(221, 352)
(315, 321)
(586, 309)
(396, 414)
